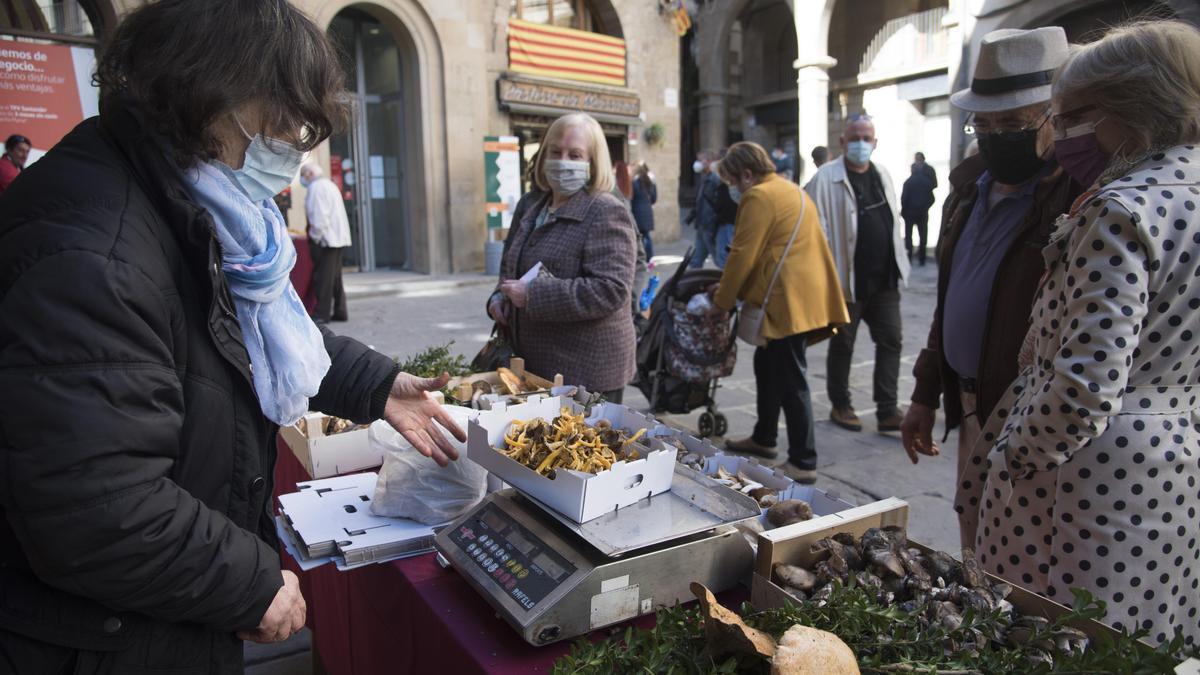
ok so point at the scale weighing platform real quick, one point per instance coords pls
(553, 579)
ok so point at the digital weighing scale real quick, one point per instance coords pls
(554, 579)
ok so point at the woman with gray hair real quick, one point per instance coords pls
(1087, 474)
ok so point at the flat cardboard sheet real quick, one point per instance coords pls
(330, 520)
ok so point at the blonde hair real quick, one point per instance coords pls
(602, 178)
(742, 157)
(1145, 76)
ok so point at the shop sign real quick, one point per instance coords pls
(567, 98)
(502, 179)
(45, 90)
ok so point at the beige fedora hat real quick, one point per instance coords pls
(1015, 69)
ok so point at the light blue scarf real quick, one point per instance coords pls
(286, 349)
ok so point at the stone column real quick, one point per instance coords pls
(712, 60)
(812, 82)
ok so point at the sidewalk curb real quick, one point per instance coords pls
(415, 287)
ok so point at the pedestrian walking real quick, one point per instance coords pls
(16, 153)
(328, 238)
(645, 196)
(860, 214)
(785, 166)
(573, 317)
(1087, 475)
(153, 344)
(820, 155)
(726, 217)
(916, 198)
(778, 247)
(991, 258)
(703, 216)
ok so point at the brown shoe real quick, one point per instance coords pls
(748, 446)
(802, 476)
(890, 423)
(846, 419)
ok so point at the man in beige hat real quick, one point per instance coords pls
(999, 217)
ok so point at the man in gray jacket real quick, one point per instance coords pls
(860, 215)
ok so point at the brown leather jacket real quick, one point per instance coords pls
(1011, 298)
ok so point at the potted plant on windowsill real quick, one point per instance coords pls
(654, 134)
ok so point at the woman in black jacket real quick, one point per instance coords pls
(645, 194)
(150, 345)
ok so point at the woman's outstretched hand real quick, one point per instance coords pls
(412, 411)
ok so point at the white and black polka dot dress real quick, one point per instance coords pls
(1088, 474)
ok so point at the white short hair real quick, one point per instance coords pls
(603, 178)
(1145, 76)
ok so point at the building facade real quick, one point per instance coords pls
(432, 79)
(896, 60)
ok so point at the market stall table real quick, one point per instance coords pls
(412, 615)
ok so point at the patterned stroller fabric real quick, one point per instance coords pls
(700, 342)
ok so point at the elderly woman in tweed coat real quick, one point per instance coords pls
(573, 318)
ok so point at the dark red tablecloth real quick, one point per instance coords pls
(302, 273)
(412, 616)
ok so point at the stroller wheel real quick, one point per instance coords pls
(707, 424)
(722, 425)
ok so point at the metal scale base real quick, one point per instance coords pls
(553, 579)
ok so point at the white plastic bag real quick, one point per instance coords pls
(413, 486)
(701, 305)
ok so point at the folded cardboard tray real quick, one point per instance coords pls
(791, 545)
(461, 386)
(574, 494)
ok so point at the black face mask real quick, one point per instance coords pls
(1011, 157)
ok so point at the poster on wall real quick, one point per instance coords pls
(502, 179)
(45, 90)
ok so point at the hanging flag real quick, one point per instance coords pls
(566, 53)
(683, 22)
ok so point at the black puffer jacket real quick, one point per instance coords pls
(135, 463)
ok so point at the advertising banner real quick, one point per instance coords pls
(502, 179)
(45, 90)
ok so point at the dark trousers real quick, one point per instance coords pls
(614, 396)
(881, 311)
(781, 376)
(327, 283)
(648, 242)
(920, 222)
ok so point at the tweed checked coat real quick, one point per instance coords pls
(576, 321)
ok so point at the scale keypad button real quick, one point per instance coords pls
(492, 567)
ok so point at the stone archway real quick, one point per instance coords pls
(426, 163)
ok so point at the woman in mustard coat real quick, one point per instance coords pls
(805, 306)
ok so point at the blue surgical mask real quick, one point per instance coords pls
(735, 194)
(859, 152)
(269, 167)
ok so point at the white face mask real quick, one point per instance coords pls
(697, 166)
(269, 167)
(567, 177)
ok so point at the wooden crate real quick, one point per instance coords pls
(791, 545)
(461, 386)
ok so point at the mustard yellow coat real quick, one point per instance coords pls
(808, 297)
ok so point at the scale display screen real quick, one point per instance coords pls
(514, 559)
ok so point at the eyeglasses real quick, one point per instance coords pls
(978, 128)
(1069, 118)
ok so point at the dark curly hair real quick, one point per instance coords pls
(186, 63)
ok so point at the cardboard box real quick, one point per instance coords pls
(791, 545)
(576, 495)
(324, 456)
(461, 386)
(823, 503)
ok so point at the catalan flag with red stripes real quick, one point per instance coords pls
(538, 49)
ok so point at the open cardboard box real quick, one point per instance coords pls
(461, 386)
(791, 545)
(576, 495)
(324, 456)
(822, 503)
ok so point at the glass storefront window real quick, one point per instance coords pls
(55, 17)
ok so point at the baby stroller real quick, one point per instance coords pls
(681, 355)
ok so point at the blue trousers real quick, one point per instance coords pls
(706, 245)
(724, 239)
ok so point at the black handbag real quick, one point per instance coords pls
(496, 352)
